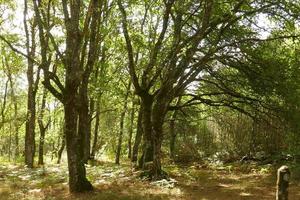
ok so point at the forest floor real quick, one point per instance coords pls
(111, 182)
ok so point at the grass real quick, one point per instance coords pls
(112, 182)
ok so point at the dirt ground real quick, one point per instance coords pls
(196, 182)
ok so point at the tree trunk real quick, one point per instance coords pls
(122, 119)
(15, 104)
(153, 119)
(158, 116)
(61, 149)
(156, 171)
(173, 132)
(138, 137)
(96, 130)
(172, 138)
(130, 131)
(30, 129)
(42, 128)
(3, 108)
(72, 102)
(9, 142)
(78, 66)
(147, 153)
(84, 121)
(31, 94)
(41, 146)
(77, 173)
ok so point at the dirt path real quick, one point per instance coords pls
(121, 183)
(220, 185)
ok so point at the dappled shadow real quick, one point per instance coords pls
(114, 182)
(110, 181)
(228, 185)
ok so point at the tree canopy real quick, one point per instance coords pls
(146, 79)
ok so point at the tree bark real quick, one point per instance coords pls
(85, 117)
(3, 108)
(147, 152)
(173, 131)
(31, 94)
(158, 115)
(72, 101)
(130, 131)
(77, 173)
(61, 149)
(30, 130)
(42, 128)
(96, 130)
(154, 112)
(84, 121)
(73, 93)
(138, 137)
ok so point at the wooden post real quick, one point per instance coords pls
(283, 178)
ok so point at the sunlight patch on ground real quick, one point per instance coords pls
(245, 194)
(225, 185)
(114, 182)
(165, 183)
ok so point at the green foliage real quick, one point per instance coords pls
(239, 89)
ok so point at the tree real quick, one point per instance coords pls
(11, 109)
(122, 119)
(130, 129)
(15, 105)
(183, 43)
(81, 52)
(138, 137)
(43, 128)
(32, 89)
(173, 131)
